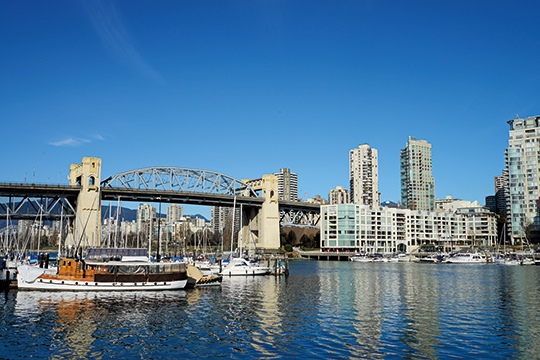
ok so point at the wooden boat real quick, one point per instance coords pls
(106, 270)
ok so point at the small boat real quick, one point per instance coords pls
(5, 275)
(196, 278)
(8, 274)
(511, 261)
(402, 257)
(361, 258)
(241, 267)
(211, 280)
(468, 258)
(105, 270)
(431, 259)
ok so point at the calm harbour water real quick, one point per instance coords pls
(322, 310)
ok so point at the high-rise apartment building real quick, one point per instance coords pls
(145, 212)
(339, 195)
(287, 185)
(417, 183)
(491, 203)
(522, 164)
(221, 217)
(501, 190)
(174, 213)
(364, 176)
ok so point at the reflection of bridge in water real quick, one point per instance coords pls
(81, 199)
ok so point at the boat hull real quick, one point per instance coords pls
(70, 285)
(113, 276)
(240, 267)
(245, 272)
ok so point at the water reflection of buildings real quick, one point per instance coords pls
(80, 319)
(368, 291)
(252, 308)
(419, 297)
(394, 304)
(75, 319)
(519, 296)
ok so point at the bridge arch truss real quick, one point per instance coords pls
(179, 180)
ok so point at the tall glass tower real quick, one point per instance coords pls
(522, 163)
(417, 183)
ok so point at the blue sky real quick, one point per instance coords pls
(248, 87)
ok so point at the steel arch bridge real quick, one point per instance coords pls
(151, 184)
(179, 180)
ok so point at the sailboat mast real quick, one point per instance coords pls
(232, 226)
(158, 256)
(109, 220)
(117, 238)
(6, 239)
(39, 226)
(240, 232)
(60, 233)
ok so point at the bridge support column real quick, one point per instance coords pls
(87, 223)
(264, 221)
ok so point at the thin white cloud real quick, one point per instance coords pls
(98, 137)
(71, 142)
(110, 28)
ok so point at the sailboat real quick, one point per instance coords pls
(240, 266)
(104, 269)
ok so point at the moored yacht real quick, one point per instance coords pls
(106, 270)
(468, 258)
(241, 267)
(361, 258)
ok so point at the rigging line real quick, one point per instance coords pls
(28, 235)
(222, 233)
(253, 238)
(84, 228)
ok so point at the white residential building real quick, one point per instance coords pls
(452, 205)
(364, 176)
(146, 213)
(523, 167)
(174, 213)
(287, 185)
(372, 229)
(339, 195)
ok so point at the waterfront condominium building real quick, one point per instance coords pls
(522, 162)
(377, 229)
(417, 183)
(339, 195)
(287, 185)
(364, 176)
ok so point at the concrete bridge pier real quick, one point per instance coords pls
(264, 221)
(86, 225)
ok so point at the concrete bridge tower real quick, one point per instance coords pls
(87, 224)
(263, 222)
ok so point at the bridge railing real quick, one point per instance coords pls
(34, 184)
